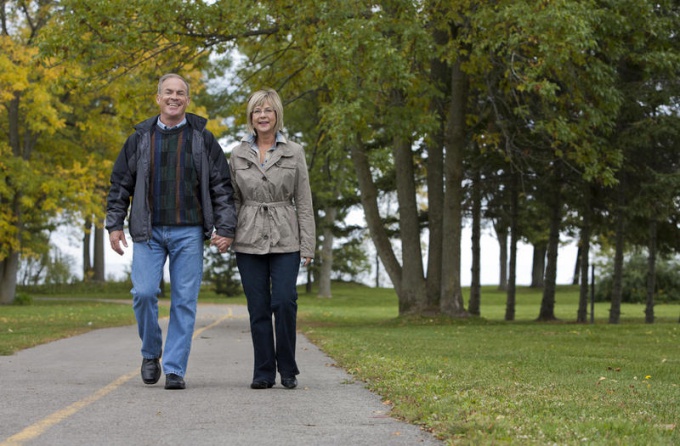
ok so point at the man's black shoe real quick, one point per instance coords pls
(261, 385)
(151, 370)
(174, 382)
(289, 383)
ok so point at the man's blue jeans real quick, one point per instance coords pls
(269, 284)
(183, 245)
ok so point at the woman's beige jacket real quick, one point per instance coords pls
(273, 203)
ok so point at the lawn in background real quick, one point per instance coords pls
(24, 326)
(486, 381)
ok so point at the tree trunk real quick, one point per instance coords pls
(439, 75)
(514, 237)
(310, 281)
(538, 266)
(377, 270)
(369, 202)
(502, 236)
(617, 280)
(547, 312)
(577, 267)
(9, 268)
(451, 293)
(99, 267)
(584, 252)
(327, 253)
(14, 120)
(87, 260)
(475, 285)
(414, 293)
(651, 272)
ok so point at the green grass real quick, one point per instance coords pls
(58, 312)
(485, 381)
(24, 326)
(471, 381)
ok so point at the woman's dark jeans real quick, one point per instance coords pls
(269, 282)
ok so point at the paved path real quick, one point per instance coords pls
(86, 390)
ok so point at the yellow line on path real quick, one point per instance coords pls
(37, 429)
(229, 314)
(41, 426)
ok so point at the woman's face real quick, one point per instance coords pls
(263, 118)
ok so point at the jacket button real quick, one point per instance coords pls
(266, 237)
(264, 178)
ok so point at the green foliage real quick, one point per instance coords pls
(23, 299)
(52, 267)
(58, 269)
(541, 68)
(221, 273)
(635, 280)
(350, 260)
(549, 84)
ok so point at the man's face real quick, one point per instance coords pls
(173, 100)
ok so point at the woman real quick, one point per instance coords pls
(275, 234)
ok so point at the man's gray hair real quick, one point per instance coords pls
(171, 75)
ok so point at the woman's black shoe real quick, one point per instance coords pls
(261, 385)
(289, 383)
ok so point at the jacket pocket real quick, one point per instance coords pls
(249, 228)
(286, 223)
(239, 163)
(284, 174)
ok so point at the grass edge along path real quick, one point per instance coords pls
(480, 381)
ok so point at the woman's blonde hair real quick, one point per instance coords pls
(258, 99)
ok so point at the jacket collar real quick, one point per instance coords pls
(195, 122)
(247, 152)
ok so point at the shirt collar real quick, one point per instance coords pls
(165, 127)
(250, 139)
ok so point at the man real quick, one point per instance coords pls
(174, 174)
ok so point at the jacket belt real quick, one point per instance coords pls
(273, 204)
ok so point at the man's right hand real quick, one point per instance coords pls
(116, 238)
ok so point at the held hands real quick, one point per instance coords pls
(118, 237)
(222, 243)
